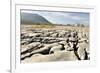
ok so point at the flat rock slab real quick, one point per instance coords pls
(58, 56)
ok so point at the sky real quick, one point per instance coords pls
(62, 17)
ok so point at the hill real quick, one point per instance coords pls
(29, 18)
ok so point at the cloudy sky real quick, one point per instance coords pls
(62, 17)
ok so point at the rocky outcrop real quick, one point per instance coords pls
(40, 45)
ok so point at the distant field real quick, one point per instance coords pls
(53, 27)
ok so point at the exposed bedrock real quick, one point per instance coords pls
(54, 45)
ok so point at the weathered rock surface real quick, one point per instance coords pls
(40, 45)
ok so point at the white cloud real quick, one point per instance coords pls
(76, 17)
